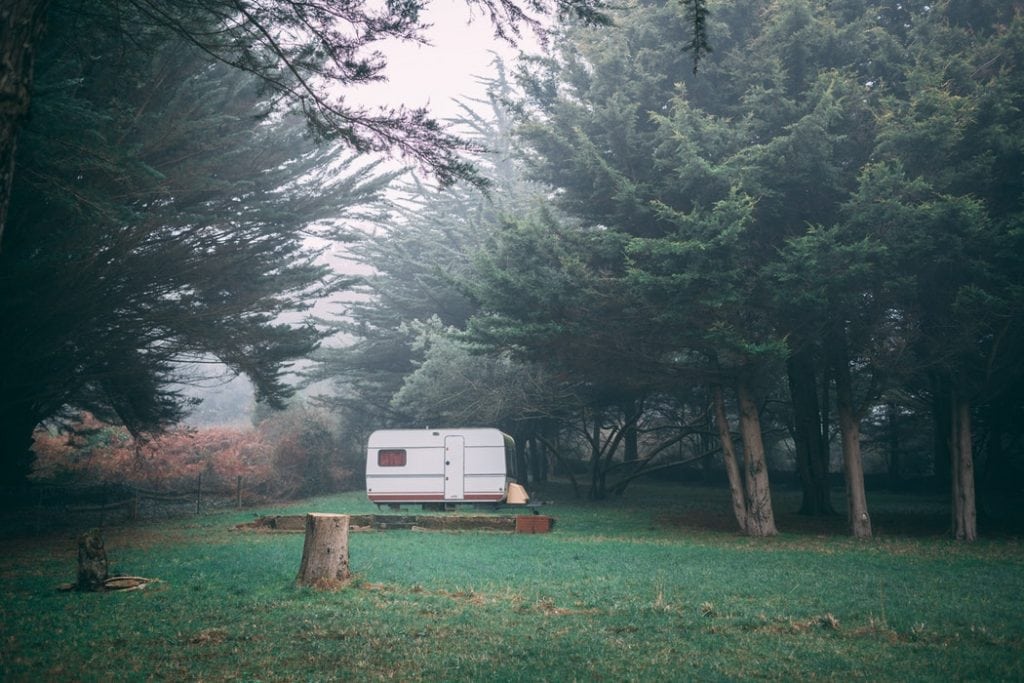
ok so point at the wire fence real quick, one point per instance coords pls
(53, 506)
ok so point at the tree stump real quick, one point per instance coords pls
(325, 552)
(92, 561)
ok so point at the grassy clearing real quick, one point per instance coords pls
(642, 589)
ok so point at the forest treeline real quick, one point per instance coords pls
(813, 243)
(808, 251)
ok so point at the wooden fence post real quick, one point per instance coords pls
(199, 492)
(325, 552)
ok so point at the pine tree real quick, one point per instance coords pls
(155, 223)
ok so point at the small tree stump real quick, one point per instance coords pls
(325, 552)
(92, 561)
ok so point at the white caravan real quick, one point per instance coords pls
(441, 466)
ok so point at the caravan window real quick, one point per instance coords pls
(394, 457)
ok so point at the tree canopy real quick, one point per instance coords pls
(156, 220)
(824, 218)
(307, 55)
(833, 190)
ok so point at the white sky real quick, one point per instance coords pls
(432, 75)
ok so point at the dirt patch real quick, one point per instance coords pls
(209, 636)
(545, 605)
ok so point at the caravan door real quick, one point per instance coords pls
(454, 467)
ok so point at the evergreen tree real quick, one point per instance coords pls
(155, 222)
(419, 258)
(637, 144)
(833, 262)
(944, 201)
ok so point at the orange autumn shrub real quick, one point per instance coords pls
(291, 454)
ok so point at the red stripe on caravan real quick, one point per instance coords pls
(483, 496)
(410, 497)
(417, 497)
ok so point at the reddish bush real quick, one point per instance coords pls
(306, 452)
(291, 454)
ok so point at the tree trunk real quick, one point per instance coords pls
(631, 441)
(732, 469)
(596, 490)
(760, 518)
(537, 461)
(325, 552)
(561, 466)
(21, 25)
(965, 514)
(92, 561)
(853, 471)
(849, 429)
(705, 438)
(811, 448)
(522, 461)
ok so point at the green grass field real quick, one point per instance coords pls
(654, 587)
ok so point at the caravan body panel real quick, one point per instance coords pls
(438, 466)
